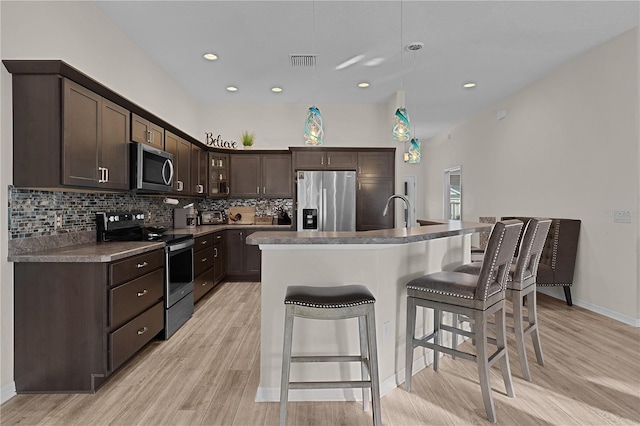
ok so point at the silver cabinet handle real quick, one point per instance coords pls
(142, 293)
(215, 252)
(204, 259)
(148, 136)
(106, 172)
(204, 242)
(322, 161)
(153, 136)
(328, 160)
(257, 189)
(142, 265)
(228, 189)
(359, 187)
(143, 330)
(204, 284)
(218, 237)
(101, 179)
(199, 189)
(359, 170)
(180, 185)
(264, 189)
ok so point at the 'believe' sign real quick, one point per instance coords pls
(218, 142)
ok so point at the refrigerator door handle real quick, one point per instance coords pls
(323, 219)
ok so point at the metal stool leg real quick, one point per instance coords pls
(437, 320)
(373, 366)
(455, 322)
(286, 364)
(411, 330)
(364, 356)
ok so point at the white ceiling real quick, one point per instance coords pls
(501, 45)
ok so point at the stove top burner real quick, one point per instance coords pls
(129, 226)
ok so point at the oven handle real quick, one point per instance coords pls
(180, 245)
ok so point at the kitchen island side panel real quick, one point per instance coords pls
(60, 323)
(385, 270)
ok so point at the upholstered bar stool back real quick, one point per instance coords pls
(333, 303)
(476, 296)
(521, 283)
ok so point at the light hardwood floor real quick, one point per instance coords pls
(208, 373)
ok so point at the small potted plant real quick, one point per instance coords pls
(247, 139)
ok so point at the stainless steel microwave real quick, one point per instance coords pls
(151, 169)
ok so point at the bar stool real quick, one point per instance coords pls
(521, 284)
(333, 303)
(475, 296)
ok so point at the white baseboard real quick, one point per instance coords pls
(7, 392)
(386, 385)
(634, 322)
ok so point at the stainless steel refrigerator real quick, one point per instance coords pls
(326, 200)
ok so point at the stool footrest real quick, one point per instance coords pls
(456, 330)
(328, 358)
(330, 385)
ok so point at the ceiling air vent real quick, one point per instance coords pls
(303, 60)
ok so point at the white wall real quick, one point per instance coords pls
(567, 148)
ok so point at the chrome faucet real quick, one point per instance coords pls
(407, 206)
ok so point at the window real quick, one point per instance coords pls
(453, 193)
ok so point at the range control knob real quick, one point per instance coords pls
(112, 218)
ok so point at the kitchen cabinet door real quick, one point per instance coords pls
(235, 252)
(218, 175)
(219, 256)
(253, 258)
(379, 164)
(198, 171)
(144, 131)
(341, 160)
(245, 175)
(309, 160)
(81, 136)
(95, 141)
(181, 151)
(371, 199)
(277, 175)
(114, 147)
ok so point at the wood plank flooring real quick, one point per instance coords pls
(208, 374)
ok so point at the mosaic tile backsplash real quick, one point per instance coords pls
(32, 213)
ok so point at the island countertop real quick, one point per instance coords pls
(433, 229)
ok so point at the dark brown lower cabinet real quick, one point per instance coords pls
(243, 261)
(77, 323)
(203, 266)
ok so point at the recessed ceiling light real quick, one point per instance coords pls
(469, 85)
(276, 89)
(210, 56)
(363, 84)
(232, 89)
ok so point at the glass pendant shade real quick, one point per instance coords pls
(401, 129)
(313, 131)
(415, 152)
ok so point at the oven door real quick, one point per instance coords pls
(178, 272)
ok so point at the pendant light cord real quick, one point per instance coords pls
(401, 53)
(313, 48)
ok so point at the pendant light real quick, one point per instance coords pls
(401, 127)
(313, 128)
(414, 153)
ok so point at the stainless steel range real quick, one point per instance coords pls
(178, 266)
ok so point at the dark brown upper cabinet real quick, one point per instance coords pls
(376, 183)
(145, 131)
(261, 175)
(199, 179)
(218, 175)
(378, 164)
(181, 151)
(318, 159)
(67, 135)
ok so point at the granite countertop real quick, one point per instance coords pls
(434, 229)
(92, 252)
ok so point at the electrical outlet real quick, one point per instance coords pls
(386, 331)
(58, 223)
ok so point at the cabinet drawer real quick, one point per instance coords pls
(128, 339)
(203, 242)
(202, 284)
(218, 237)
(136, 266)
(129, 299)
(202, 260)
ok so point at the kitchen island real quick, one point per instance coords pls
(384, 261)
